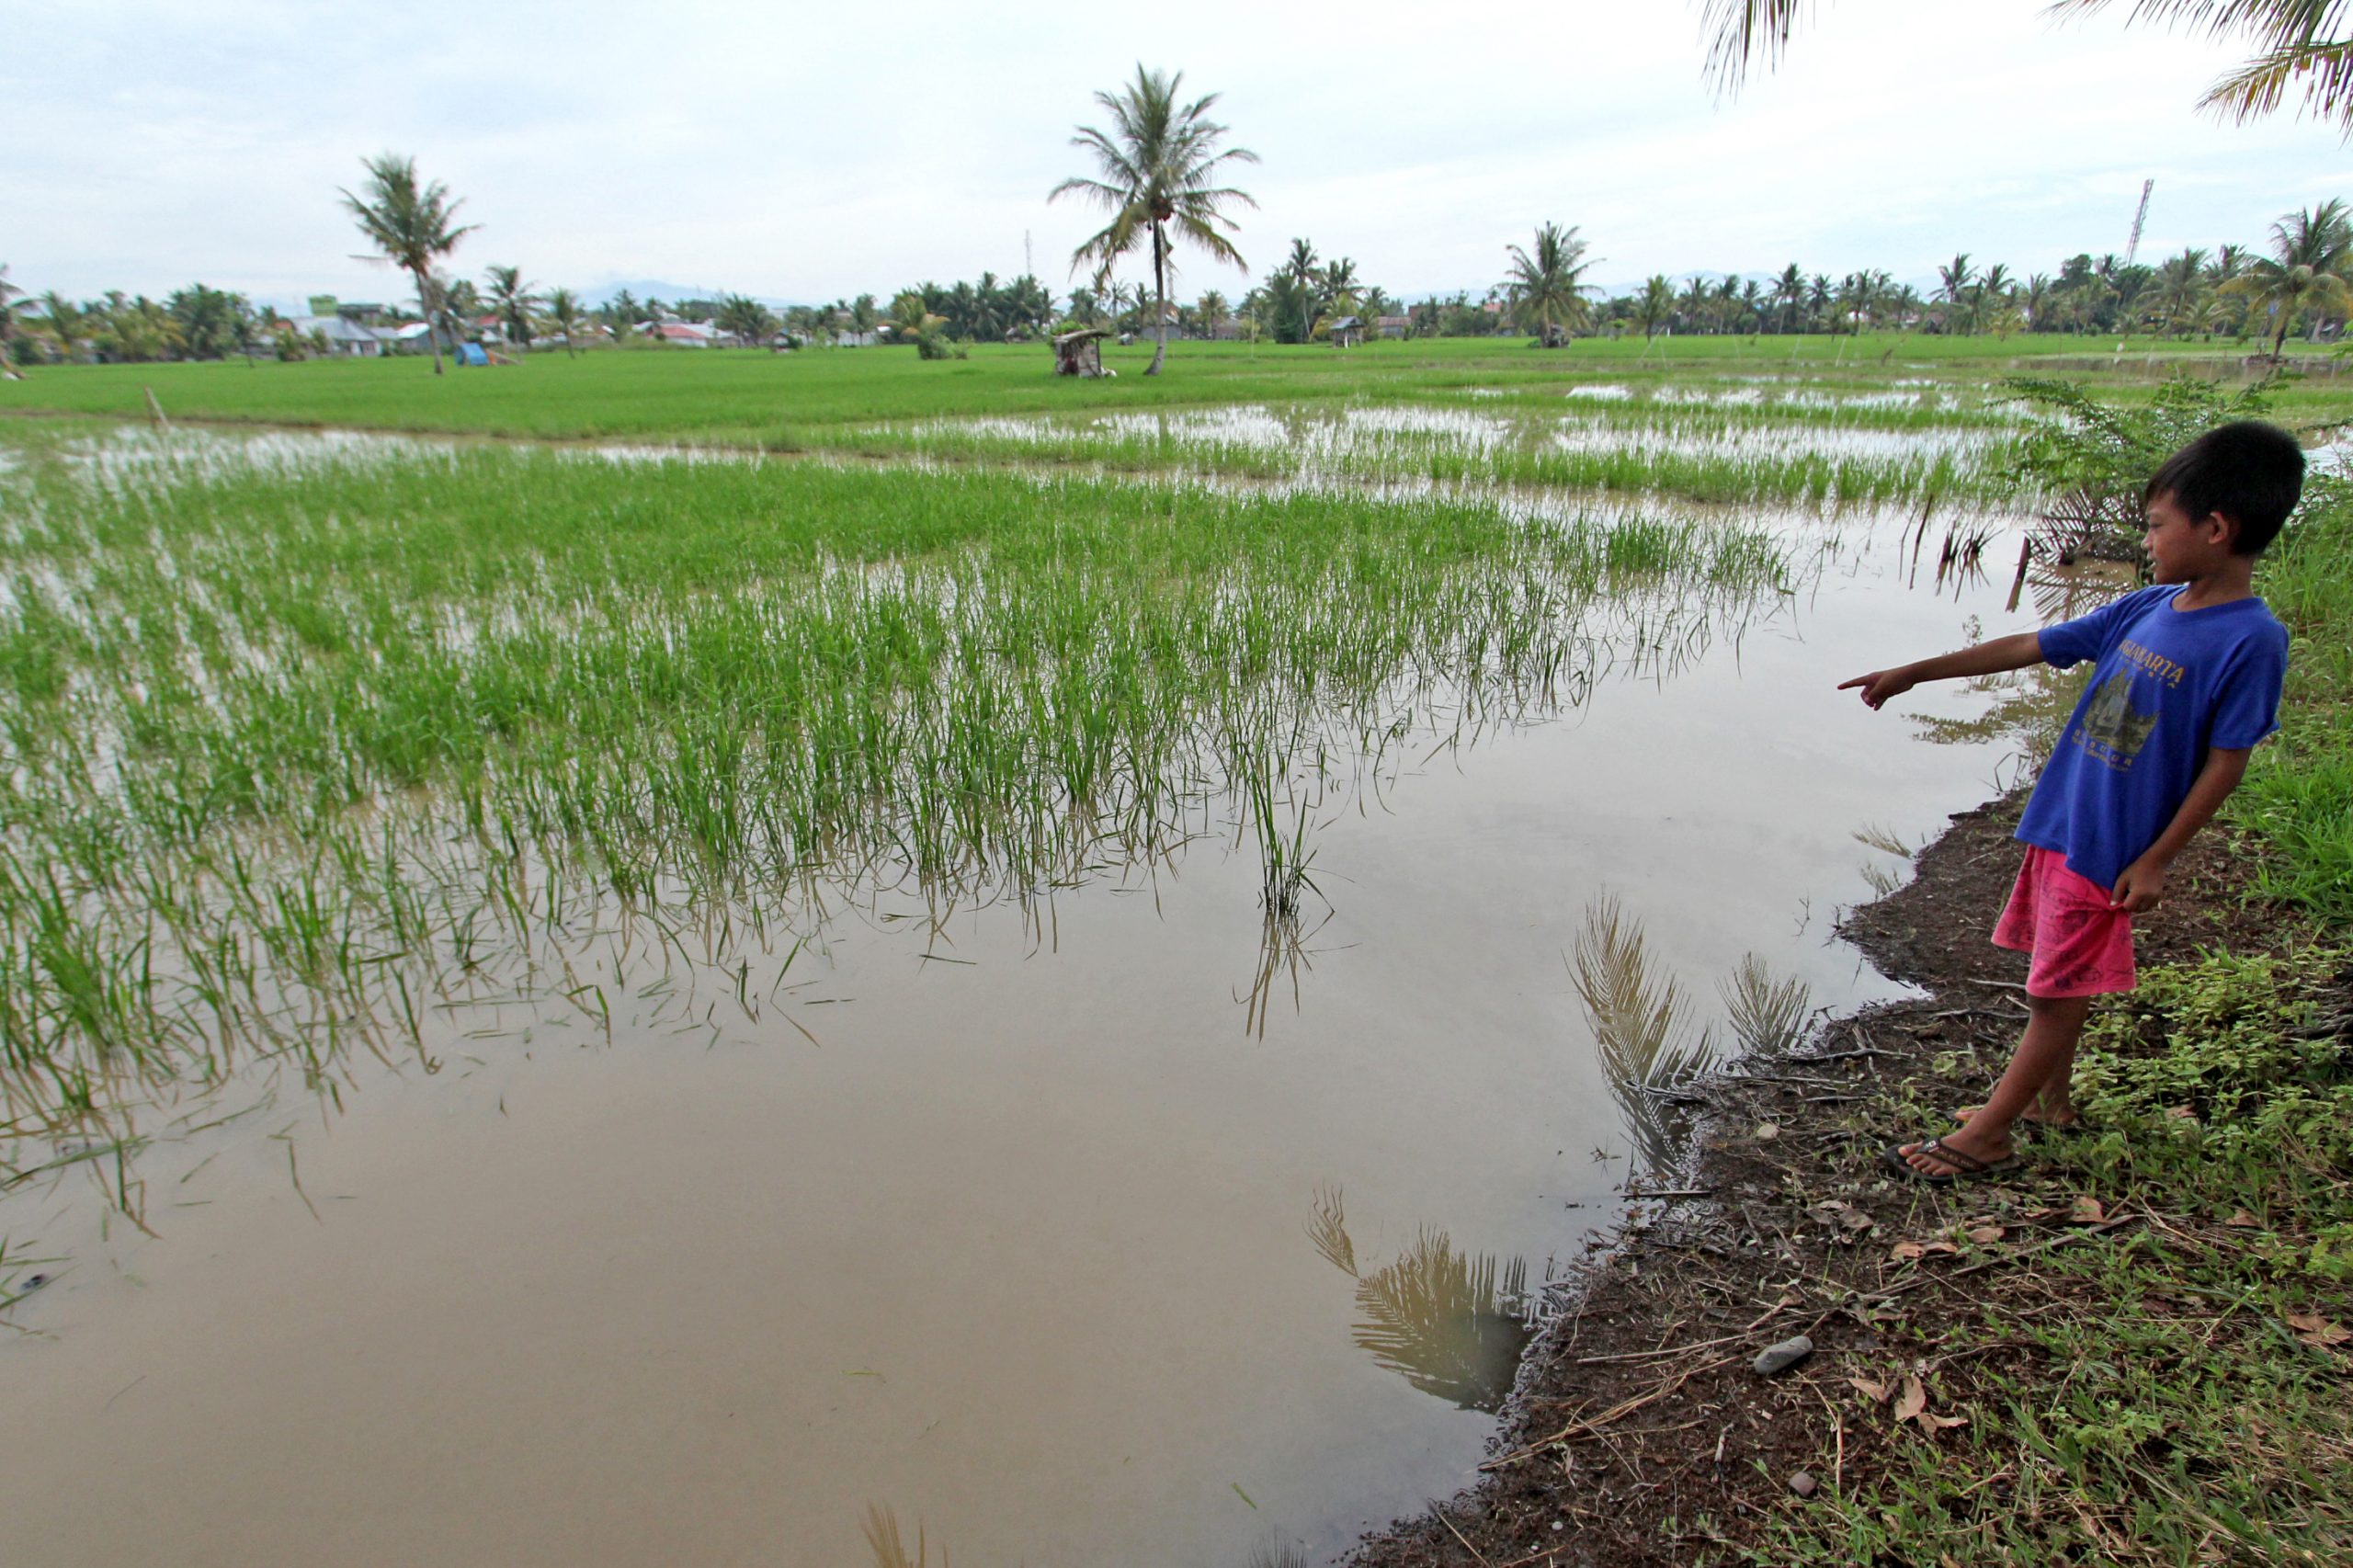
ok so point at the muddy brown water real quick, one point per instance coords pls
(1046, 1242)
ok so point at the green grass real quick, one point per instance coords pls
(2299, 793)
(754, 398)
(305, 742)
(2181, 1399)
(2173, 1394)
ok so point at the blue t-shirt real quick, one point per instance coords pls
(2169, 683)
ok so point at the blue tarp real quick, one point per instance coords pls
(471, 353)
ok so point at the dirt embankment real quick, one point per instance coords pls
(1641, 1433)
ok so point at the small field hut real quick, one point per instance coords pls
(1349, 333)
(1077, 354)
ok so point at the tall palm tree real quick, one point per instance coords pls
(1655, 303)
(2181, 289)
(565, 315)
(1691, 305)
(1160, 165)
(1301, 270)
(2305, 271)
(1789, 292)
(512, 298)
(1952, 285)
(10, 295)
(413, 226)
(2292, 39)
(63, 323)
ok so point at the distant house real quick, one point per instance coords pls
(685, 333)
(1394, 327)
(345, 339)
(854, 339)
(416, 337)
(1349, 333)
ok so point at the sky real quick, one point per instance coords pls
(809, 152)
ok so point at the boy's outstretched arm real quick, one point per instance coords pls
(2015, 652)
(2143, 882)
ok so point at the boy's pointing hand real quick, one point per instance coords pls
(1881, 685)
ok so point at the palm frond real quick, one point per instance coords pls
(1328, 1229)
(1740, 31)
(1765, 1014)
(2258, 87)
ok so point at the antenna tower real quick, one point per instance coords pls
(2133, 247)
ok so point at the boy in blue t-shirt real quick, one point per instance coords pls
(2187, 683)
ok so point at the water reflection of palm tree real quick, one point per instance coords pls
(1448, 1322)
(1641, 1023)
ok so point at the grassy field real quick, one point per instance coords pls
(781, 402)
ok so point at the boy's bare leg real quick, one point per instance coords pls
(2042, 1062)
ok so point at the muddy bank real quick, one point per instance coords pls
(1640, 1432)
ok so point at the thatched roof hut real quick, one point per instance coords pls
(1076, 354)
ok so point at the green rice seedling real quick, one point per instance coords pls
(330, 736)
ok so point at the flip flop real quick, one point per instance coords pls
(1970, 1168)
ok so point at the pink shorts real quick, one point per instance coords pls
(2076, 945)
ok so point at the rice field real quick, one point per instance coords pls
(290, 737)
(1081, 959)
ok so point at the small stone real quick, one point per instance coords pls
(1782, 1357)
(1804, 1484)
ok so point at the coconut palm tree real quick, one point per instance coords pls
(1654, 305)
(413, 226)
(746, 320)
(1953, 288)
(511, 300)
(566, 317)
(1300, 270)
(1160, 165)
(63, 323)
(2305, 271)
(2180, 291)
(1212, 312)
(10, 296)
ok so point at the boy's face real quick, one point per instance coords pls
(2182, 548)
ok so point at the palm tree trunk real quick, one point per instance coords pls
(432, 330)
(1159, 299)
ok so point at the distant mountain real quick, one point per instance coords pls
(662, 289)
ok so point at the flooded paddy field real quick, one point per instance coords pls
(573, 1012)
(1756, 438)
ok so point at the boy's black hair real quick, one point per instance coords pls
(2250, 471)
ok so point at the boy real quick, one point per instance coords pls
(2187, 683)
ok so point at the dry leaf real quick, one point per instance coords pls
(1987, 1235)
(2179, 1112)
(1905, 1252)
(1876, 1393)
(2087, 1211)
(2317, 1331)
(1766, 1132)
(1914, 1400)
(1932, 1425)
(2244, 1220)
